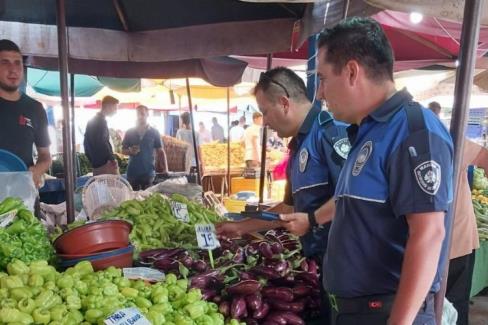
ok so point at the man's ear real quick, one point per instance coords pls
(285, 103)
(352, 69)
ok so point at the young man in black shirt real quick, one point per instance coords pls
(97, 140)
(23, 121)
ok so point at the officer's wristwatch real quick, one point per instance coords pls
(311, 220)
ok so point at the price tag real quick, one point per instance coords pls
(144, 273)
(206, 236)
(127, 316)
(180, 211)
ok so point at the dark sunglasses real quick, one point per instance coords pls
(265, 77)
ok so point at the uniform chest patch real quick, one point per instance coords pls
(342, 147)
(362, 158)
(303, 159)
(428, 176)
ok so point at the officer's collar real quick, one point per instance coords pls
(309, 119)
(392, 105)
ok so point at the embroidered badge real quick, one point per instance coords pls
(303, 159)
(342, 147)
(362, 158)
(428, 176)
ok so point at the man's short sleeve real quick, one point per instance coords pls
(421, 181)
(41, 133)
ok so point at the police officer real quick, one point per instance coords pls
(317, 152)
(387, 244)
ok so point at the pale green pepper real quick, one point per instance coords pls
(26, 305)
(41, 316)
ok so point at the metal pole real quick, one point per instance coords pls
(67, 144)
(73, 131)
(462, 94)
(228, 141)
(312, 82)
(195, 144)
(269, 62)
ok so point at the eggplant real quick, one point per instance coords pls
(208, 294)
(224, 308)
(269, 322)
(302, 291)
(280, 266)
(265, 250)
(238, 256)
(279, 293)
(166, 264)
(254, 301)
(276, 317)
(244, 288)
(203, 280)
(246, 276)
(277, 248)
(304, 265)
(266, 272)
(308, 277)
(199, 266)
(187, 261)
(261, 312)
(296, 307)
(313, 267)
(160, 253)
(292, 318)
(217, 299)
(290, 244)
(238, 308)
(250, 250)
(251, 321)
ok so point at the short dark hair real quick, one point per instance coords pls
(435, 105)
(142, 108)
(109, 100)
(361, 39)
(8, 45)
(282, 81)
(185, 118)
(256, 115)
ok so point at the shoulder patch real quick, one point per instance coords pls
(428, 176)
(342, 147)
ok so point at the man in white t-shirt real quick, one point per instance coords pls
(252, 138)
(237, 132)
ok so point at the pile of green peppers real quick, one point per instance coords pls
(154, 225)
(38, 294)
(25, 238)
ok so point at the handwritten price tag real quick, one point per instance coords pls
(127, 316)
(180, 211)
(206, 236)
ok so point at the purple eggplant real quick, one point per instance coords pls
(246, 276)
(238, 256)
(208, 294)
(313, 267)
(217, 299)
(265, 250)
(166, 264)
(224, 308)
(203, 280)
(280, 293)
(309, 278)
(304, 265)
(261, 312)
(276, 317)
(292, 318)
(302, 291)
(277, 248)
(238, 308)
(290, 244)
(296, 307)
(187, 261)
(254, 301)
(199, 266)
(251, 321)
(244, 288)
(280, 266)
(160, 253)
(250, 250)
(287, 281)
(266, 272)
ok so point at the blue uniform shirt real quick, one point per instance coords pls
(317, 154)
(141, 166)
(389, 174)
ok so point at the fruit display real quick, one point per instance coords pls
(155, 226)
(264, 281)
(24, 238)
(480, 181)
(480, 204)
(214, 155)
(36, 293)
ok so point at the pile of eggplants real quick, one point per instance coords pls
(257, 281)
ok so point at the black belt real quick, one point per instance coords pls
(367, 304)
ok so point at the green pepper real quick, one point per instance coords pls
(50, 285)
(11, 281)
(58, 312)
(36, 280)
(182, 283)
(218, 319)
(129, 292)
(139, 284)
(123, 283)
(84, 267)
(160, 298)
(41, 268)
(193, 295)
(65, 281)
(26, 305)
(196, 309)
(92, 315)
(73, 302)
(17, 267)
(20, 293)
(10, 204)
(11, 315)
(4, 293)
(9, 302)
(156, 318)
(175, 292)
(81, 287)
(47, 299)
(170, 279)
(162, 308)
(143, 302)
(74, 317)
(110, 289)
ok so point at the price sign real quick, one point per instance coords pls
(206, 236)
(127, 316)
(180, 211)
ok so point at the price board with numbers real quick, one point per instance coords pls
(127, 316)
(206, 236)
(180, 211)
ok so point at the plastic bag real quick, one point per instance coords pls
(449, 313)
(21, 185)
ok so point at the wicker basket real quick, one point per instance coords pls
(104, 192)
(177, 155)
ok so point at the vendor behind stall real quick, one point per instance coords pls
(141, 143)
(252, 141)
(23, 121)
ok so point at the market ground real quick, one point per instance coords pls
(478, 312)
